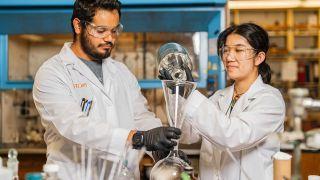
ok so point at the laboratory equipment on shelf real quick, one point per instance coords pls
(299, 103)
(174, 58)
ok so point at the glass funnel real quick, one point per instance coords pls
(174, 58)
(175, 93)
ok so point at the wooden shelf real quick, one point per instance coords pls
(306, 34)
(275, 27)
(277, 33)
(294, 30)
(283, 4)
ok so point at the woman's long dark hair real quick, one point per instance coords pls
(258, 39)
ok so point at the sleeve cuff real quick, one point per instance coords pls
(193, 103)
(118, 141)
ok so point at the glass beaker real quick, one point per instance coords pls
(128, 164)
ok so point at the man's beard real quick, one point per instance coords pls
(90, 50)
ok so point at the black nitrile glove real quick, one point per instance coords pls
(188, 74)
(165, 75)
(158, 155)
(184, 157)
(160, 138)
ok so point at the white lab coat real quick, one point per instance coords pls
(118, 107)
(248, 132)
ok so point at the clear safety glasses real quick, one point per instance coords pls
(103, 31)
(239, 52)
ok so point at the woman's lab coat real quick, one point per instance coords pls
(248, 132)
(117, 107)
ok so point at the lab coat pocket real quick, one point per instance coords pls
(93, 113)
(86, 105)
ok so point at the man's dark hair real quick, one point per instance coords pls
(85, 10)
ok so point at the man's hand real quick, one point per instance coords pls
(160, 138)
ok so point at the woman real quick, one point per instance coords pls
(237, 122)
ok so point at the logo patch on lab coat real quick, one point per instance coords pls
(80, 85)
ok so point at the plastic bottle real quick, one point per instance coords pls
(51, 171)
(5, 173)
(13, 163)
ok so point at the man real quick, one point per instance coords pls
(86, 98)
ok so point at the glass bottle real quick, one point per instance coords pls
(13, 163)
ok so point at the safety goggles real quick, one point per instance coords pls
(238, 52)
(103, 31)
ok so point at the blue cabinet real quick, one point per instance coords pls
(48, 17)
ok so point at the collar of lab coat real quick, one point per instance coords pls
(68, 58)
(244, 100)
